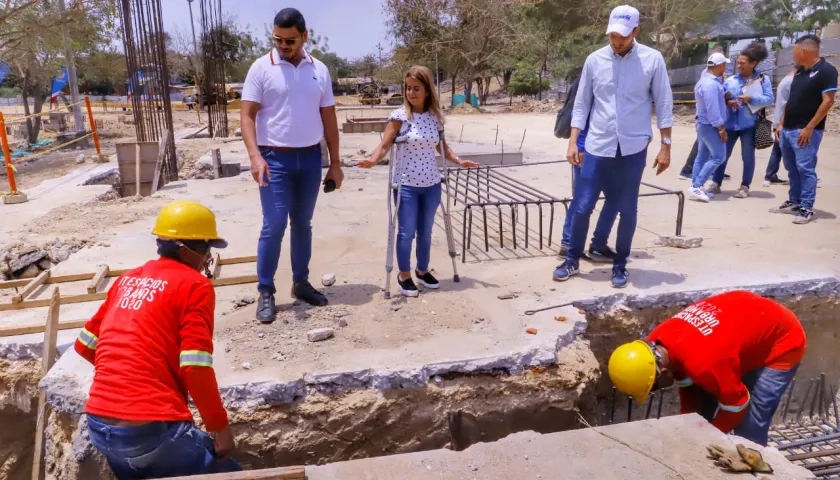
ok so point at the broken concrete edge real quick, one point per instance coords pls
(67, 390)
(820, 287)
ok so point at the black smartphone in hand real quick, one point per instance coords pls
(329, 185)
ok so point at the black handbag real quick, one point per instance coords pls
(763, 128)
(763, 131)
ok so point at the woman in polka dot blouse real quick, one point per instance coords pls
(420, 120)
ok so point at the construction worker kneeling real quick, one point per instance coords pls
(732, 355)
(151, 344)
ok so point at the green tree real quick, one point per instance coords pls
(34, 40)
(787, 18)
(526, 80)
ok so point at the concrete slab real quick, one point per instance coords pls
(669, 448)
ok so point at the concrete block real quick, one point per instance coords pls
(668, 448)
(12, 199)
(680, 241)
(319, 334)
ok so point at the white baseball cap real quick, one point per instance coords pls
(623, 19)
(716, 59)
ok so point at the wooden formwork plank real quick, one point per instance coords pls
(92, 297)
(47, 361)
(238, 260)
(31, 286)
(97, 279)
(283, 473)
(38, 328)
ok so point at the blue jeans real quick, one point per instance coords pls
(801, 164)
(605, 220)
(293, 185)
(766, 386)
(416, 217)
(747, 155)
(710, 155)
(619, 178)
(157, 450)
(774, 162)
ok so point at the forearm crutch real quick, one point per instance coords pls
(444, 207)
(395, 181)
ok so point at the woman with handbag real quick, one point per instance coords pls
(753, 129)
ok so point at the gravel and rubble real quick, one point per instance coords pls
(27, 260)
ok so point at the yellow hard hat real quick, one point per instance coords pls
(632, 369)
(187, 220)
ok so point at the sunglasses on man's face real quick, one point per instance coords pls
(287, 41)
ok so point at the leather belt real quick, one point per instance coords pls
(290, 149)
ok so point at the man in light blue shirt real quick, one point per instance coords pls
(711, 131)
(618, 84)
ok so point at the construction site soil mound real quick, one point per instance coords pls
(342, 416)
(18, 407)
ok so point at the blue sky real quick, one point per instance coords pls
(353, 27)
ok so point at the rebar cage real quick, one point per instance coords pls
(213, 60)
(144, 41)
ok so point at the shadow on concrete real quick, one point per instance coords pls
(822, 214)
(354, 294)
(638, 277)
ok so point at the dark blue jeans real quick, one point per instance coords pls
(157, 450)
(416, 217)
(289, 197)
(747, 155)
(801, 164)
(620, 178)
(774, 162)
(605, 220)
(766, 386)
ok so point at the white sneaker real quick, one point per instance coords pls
(766, 183)
(709, 194)
(698, 195)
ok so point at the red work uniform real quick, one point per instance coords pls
(713, 343)
(151, 343)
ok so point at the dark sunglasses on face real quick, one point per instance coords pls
(287, 41)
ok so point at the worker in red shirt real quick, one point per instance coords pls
(733, 355)
(151, 344)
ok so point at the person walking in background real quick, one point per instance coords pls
(287, 108)
(771, 176)
(812, 93)
(687, 171)
(711, 113)
(420, 121)
(599, 251)
(740, 120)
(618, 85)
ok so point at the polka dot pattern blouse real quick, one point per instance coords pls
(416, 158)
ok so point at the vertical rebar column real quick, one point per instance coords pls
(213, 59)
(144, 42)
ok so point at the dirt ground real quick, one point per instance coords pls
(478, 316)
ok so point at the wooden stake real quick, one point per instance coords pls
(162, 146)
(31, 286)
(282, 473)
(98, 278)
(47, 361)
(137, 167)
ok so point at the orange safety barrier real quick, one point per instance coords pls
(93, 126)
(7, 156)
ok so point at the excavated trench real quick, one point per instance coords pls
(449, 410)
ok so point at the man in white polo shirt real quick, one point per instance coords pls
(287, 109)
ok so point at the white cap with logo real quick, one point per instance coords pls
(716, 59)
(623, 19)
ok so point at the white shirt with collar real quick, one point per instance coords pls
(290, 99)
(615, 93)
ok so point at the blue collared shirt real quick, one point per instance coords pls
(711, 104)
(742, 118)
(616, 93)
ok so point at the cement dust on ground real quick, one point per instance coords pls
(361, 317)
(90, 219)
